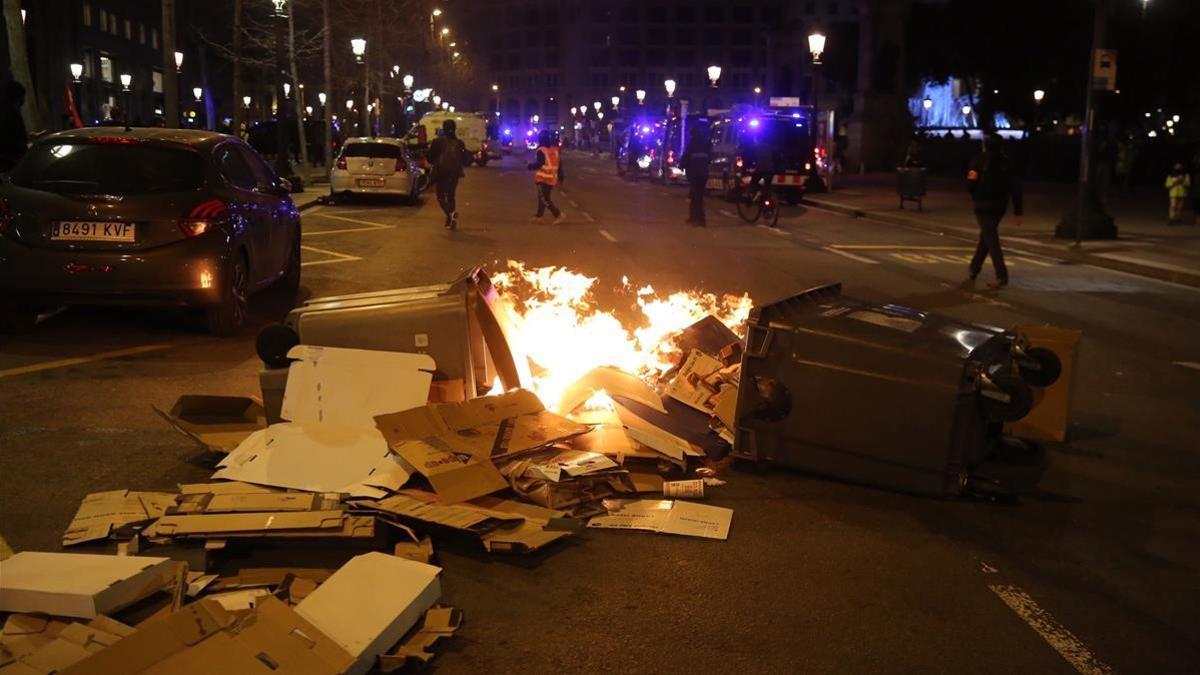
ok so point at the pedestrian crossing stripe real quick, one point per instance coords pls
(957, 259)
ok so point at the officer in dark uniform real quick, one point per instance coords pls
(992, 184)
(695, 160)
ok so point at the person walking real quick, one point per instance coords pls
(695, 161)
(1177, 184)
(548, 172)
(446, 154)
(992, 184)
(14, 140)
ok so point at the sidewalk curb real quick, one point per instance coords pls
(1077, 257)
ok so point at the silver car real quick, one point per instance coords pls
(168, 217)
(375, 166)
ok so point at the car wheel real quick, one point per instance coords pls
(727, 189)
(229, 315)
(17, 318)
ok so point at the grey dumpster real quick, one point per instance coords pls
(910, 184)
(878, 394)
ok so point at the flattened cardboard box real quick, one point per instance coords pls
(80, 584)
(668, 517)
(370, 603)
(502, 525)
(217, 423)
(348, 387)
(223, 524)
(452, 444)
(102, 514)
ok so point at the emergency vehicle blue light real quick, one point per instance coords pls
(754, 123)
(795, 116)
(645, 130)
(508, 132)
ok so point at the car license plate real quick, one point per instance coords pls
(370, 182)
(81, 230)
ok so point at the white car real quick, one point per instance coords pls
(375, 166)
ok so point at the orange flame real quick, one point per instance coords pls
(554, 318)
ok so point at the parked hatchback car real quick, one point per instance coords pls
(375, 166)
(170, 217)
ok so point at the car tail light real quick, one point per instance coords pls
(670, 157)
(202, 218)
(118, 140)
(6, 216)
(341, 163)
(739, 163)
(401, 167)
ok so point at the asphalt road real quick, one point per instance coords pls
(1097, 569)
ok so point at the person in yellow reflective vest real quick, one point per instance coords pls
(1178, 183)
(548, 172)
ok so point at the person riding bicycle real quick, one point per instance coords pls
(762, 161)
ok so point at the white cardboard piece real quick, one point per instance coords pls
(79, 585)
(317, 458)
(668, 517)
(349, 387)
(613, 381)
(370, 603)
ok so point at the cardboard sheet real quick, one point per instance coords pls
(116, 513)
(688, 386)
(439, 622)
(656, 438)
(317, 458)
(668, 517)
(452, 444)
(614, 381)
(368, 605)
(216, 423)
(79, 584)
(349, 387)
(502, 525)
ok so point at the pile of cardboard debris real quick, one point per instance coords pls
(310, 551)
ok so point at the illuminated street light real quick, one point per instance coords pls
(616, 100)
(640, 94)
(574, 111)
(349, 104)
(395, 70)
(246, 102)
(1175, 118)
(599, 115)
(76, 71)
(359, 47)
(453, 44)
(308, 110)
(437, 99)
(966, 110)
(535, 118)
(1038, 95)
(445, 31)
(287, 89)
(596, 105)
(197, 93)
(927, 103)
(455, 55)
(321, 97)
(714, 74)
(178, 62)
(408, 82)
(816, 46)
(445, 105)
(495, 87)
(757, 91)
(451, 108)
(126, 80)
(669, 85)
(437, 11)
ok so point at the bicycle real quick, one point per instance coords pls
(753, 204)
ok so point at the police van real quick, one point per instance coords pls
(739, 135)
(471, 129)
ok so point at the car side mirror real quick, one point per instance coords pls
(285, 186)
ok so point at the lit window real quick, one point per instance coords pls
(128, 29)
(154, 38)
(156, 76)
(103, 20)
(141, 33)
(113, 24)
(106, 68)
(87, 14)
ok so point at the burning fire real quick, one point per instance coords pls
(554, 318)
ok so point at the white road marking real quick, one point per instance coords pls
(1054, 633)
(847, 254)
(337, 257)
(355, 220)
(587, 216)
(727, 214)
(1187, 364)
(63, 363)
(349, 229)
(664, 193)
(773, 230)
(606, 235)
(573, 203)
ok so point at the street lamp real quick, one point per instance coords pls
(349, 104)
(445, 105)
(178, 62)
(308, 110)
(1038, 95)
(451, 108)
(616, 100)
(408, 82)
(283, 162)
(597, 105)
(437, 100)
(287, 89)
(816, 46)
(126, 80)
(359, 47)
(966, 111)
(197, 93)
(714, 74)
(395, 70)
(641, 95)
(76, 71)
(455, 55)
(321, 98)
(574, 111)
(669, 85)
(535, 118)
(246, 102)
(445, 31)
(927, 103)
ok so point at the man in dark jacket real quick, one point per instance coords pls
(446, 154)
(992, 183)
(695, 160)
(13, 138)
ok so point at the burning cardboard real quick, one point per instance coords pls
(612, 381)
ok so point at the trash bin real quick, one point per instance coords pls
(878, 394)
(910, 184)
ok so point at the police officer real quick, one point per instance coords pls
(695, 160)
(992, 184)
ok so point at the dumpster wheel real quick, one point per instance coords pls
(1018, 393)
(1046, 369)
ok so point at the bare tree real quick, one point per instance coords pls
(237, 66)
(327, 66)
(297, 99)
(33, 111)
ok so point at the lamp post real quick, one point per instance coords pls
(640, 94)
(616, 101)
(757, 91)
(359, 47)
(246, 102)
(714, 74)
(178, 62)
(669, 85)
(283, 163)
(816, 47)
(597, 105)
(496, 91)
(197, 93)
(126, 81)
(966, 112)
(76, 75)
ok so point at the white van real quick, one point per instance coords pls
(471, 130)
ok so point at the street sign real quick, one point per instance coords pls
(1104, 69)
(785, 102)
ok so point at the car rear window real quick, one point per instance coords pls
(381, 150)
(109, 168)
